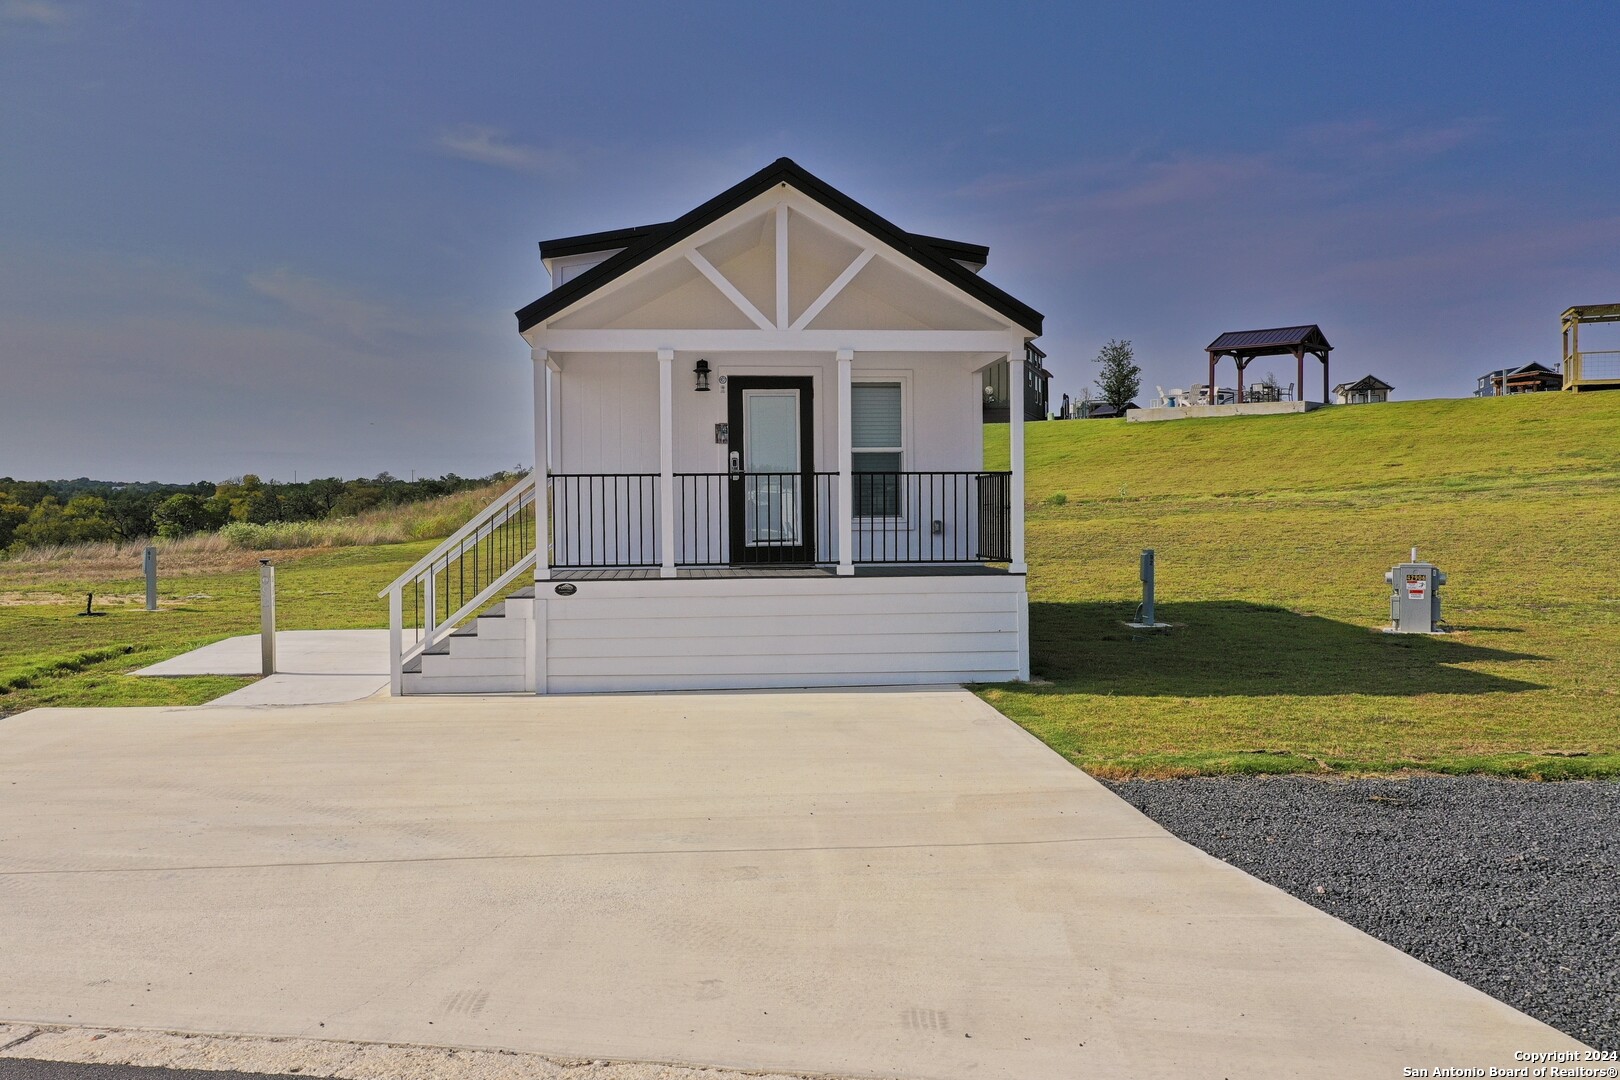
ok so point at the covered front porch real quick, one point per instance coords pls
(720, 457)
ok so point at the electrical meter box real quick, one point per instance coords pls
(1414, 602)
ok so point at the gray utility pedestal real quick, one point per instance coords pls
(1414, 602)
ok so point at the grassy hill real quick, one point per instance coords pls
(1273, 535)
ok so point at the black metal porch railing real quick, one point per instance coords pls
(995, 516)
(784, 519)
(603, 520)
(932, 517)
(787, 519)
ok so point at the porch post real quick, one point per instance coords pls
(1327, 398)
(1015, 430)
(542, 464)
(846, 457)
(666, 462)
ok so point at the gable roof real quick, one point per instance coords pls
(1366, 382)
(1280, 338)
(644, 242)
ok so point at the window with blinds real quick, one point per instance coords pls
(878, 448)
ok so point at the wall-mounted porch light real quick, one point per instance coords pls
(702, 373)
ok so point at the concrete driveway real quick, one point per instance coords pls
(865, 884)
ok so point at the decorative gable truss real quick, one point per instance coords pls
(779, 272)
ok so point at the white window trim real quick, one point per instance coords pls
(907, 438)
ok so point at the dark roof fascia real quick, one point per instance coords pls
(782, 171)
(955, 249)
(586, 243)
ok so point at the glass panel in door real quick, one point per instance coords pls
(772, 496)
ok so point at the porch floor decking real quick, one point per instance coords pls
(650, 573)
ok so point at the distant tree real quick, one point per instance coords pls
(82, 519)
(129, 512)
(184, 514)
(263, 506)
(1121, 378)
(12, 514)
(325, 493)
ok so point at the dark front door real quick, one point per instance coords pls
(771, 485)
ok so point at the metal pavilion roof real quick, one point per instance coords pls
(1282, 339)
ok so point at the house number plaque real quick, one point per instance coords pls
(567, 588)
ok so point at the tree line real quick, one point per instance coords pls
(35, 512)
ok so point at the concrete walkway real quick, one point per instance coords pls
(313, 667)
(862, 884)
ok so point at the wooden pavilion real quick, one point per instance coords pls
(1243, 346)
(1589, 369)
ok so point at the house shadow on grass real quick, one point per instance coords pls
(1227, 649)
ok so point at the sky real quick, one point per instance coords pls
(288, 238)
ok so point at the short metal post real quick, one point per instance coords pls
(267, 617)
(1147, 587)
(149, 565)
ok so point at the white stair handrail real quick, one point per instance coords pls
(512, 494)
(482, 526)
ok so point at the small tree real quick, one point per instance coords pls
(1121, 378)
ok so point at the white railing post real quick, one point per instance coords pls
(1015, 430)
(542, 464)
(846, 460)
(666, 462)
(430, 604)
(396, 641)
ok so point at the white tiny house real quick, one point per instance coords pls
(761, 446)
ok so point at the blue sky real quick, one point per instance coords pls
(290, 237)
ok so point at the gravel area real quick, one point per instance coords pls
(1510, 886)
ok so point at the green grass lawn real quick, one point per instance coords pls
(50, 655)
(1272, 536)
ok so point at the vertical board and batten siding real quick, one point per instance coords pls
(607, 419)
(748, 633)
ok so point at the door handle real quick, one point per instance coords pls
(735, 458)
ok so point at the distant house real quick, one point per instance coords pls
(1365, 391)
(1037, 383)
(1531, 378)
(1101, 410)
